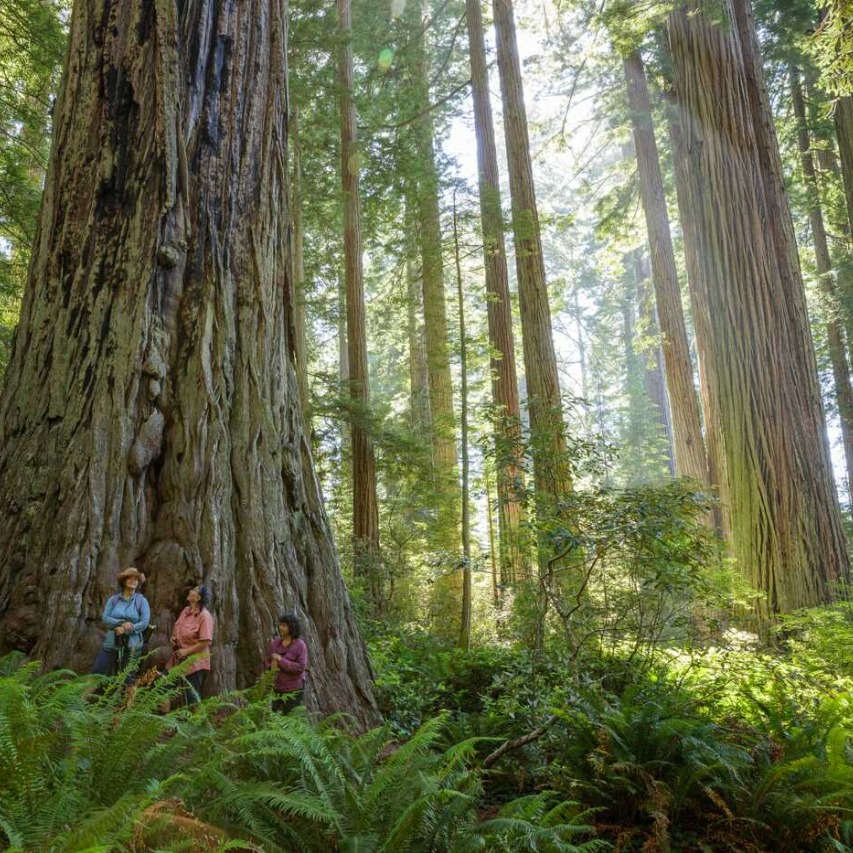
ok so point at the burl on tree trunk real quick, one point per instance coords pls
(150, 413)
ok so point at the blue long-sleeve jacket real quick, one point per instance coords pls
(118, 610)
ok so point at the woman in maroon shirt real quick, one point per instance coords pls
(288, 655)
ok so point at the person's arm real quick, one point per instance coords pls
(106, 617)
(298, 662)
(144, 616)
(200, 646)
(204, 640)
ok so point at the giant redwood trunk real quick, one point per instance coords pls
(721, 512)
(786, 525)
(150, 412)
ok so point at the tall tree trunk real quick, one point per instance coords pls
(365, 509)
(654, 381)
(690, 456)
(826, 276)
(467, 591)
(830, 177)
(418, 373)
(844, 135)
(634, 435)
(551, 474)
(150, 414)
(445, 530)
(496, 595)
(300, 341)
(786, 527)
(343, 358)
(498, 306)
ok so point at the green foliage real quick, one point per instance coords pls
(32, 42)
(833, 46)
(85, 770)
(536, 823)
(419, 676)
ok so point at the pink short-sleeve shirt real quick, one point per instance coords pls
(190, 629)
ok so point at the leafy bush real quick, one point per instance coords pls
(418, 676)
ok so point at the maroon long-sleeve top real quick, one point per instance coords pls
(291, 666)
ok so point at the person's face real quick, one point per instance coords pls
(131, 583)
(283, 630)
(193, 597)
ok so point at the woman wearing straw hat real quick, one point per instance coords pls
(126, 615)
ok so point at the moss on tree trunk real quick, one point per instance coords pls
(150, 413)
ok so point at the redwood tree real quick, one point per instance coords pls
(365, 508)
(690, 457)
(551, 476)
(836, 344)
(844, 132)
(150, 412)
(499, 308)
(786, 525)
(444, 533)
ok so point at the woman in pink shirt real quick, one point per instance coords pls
(288, 655)
(192, 636)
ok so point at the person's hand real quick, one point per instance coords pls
(119, 630)
(128, 627)
(181, 654)
(174, 642)
(277, 658)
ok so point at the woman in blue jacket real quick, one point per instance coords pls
(126, 615)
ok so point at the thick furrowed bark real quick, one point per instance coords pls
(786, 531)
(150, 413)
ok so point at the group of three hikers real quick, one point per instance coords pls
(126, 616)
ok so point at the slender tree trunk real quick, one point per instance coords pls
(786, 527)
(150, 414)
(844, 134)
(634, 435)
(467, 592)
(826, 276)
(576, 308)
(496, 596)
(445, 531)
(300, 340)
(343, 360)
(365, 528)
(690, 456)
(499, 308)
(551, 474)
(551, 471)
(652, 360)
(830, 177)
(418, 374)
